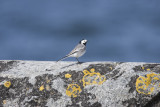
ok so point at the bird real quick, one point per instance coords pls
(78, 51)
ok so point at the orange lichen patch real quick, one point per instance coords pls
(73, 90)
(146, 85)
(91, 78)
(7, 84)
(68, 75)
(41, 88)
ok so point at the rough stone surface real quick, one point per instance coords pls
(68, 84)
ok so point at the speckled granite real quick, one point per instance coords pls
(68, 84)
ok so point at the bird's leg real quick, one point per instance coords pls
(77, 60)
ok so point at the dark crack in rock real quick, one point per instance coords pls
(147, 67)
(131, 103)
(96, 104)
(132, 84)
(7, 65)
(82, 100)
(154, 102)
(116, 74)
(142, 99)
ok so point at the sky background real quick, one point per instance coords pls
(116, 30)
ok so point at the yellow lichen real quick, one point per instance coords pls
(151, 89)
(92, 70)
(4, 101)
(73, 90)
(48, 81)
(86, 71)
(68, 75)
(156, 78)
(41, 88)
(148, 69)
(146, 85)
(47, 87)
(143, 68)
(7, 84)
(91, 78)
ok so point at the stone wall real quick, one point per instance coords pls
(89, 84)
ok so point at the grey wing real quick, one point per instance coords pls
(76, 49)
(79, 47)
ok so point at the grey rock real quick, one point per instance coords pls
(89, 84)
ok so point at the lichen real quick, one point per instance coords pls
(149, 84)
(92, 77)
(68, 75)
(73, 90)
(41, 88)
(7, 84)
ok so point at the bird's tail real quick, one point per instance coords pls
(63, 58)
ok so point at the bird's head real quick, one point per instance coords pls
(83, 42)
